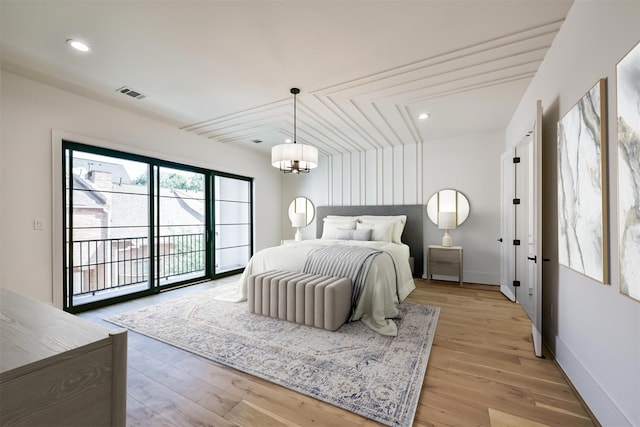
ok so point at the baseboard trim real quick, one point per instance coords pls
(573, 387)
(592, 395)
(482, 277)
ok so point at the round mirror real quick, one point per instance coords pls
(302, 204)
(448, 200)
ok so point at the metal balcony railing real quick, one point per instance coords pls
(105, 264)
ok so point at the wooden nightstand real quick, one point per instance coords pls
(445, 261)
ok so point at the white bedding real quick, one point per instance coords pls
(388, 282)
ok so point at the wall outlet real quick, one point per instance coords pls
(37, 224)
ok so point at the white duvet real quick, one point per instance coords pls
(388, 282)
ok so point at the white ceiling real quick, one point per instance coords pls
(223, 69)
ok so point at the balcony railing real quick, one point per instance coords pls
(108, 264)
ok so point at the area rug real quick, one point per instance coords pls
(354, 368)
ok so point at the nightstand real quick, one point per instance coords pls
(445, 261)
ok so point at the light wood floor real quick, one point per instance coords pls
(481, 372)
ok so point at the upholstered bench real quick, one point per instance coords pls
(308, 299)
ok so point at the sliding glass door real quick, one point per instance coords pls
(232, 223)
(134, 225)
(107, 227)
(181, 249)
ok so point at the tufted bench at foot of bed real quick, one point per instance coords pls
(308, 299)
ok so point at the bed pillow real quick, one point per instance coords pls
(342, 218)
(330, 227)
(381, 232)
(402, 218)
(344, 234)
(363, 234)
(398, 222)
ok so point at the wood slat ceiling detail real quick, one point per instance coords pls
(380, 110)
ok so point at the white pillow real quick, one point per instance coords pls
(402, 218)
(342, 218)
(363, 234)
(330, 227)
(398, 221)
(344, 234)
(382, 231)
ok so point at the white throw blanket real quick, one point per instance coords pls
(389, 280)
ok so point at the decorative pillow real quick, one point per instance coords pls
(382, 232)
(344, 234)
(398, 222)
(363, 234)
(330, 227)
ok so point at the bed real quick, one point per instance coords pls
(394, 232)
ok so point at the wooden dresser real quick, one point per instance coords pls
(445, 261)
(59, 369)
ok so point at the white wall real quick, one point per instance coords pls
(31, 110)
(593, 330)
(410, 174)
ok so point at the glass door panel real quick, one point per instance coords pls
(232, 223)
(106, 227)
(181, 247)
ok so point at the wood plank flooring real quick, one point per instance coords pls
(481, 372)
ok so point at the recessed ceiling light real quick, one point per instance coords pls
(78, 45)
(423, 116)
(288, 140)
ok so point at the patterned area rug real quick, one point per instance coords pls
(354, 368)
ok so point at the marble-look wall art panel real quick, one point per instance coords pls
(582, 194)
(628, 89)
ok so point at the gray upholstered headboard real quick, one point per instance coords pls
(413, 230)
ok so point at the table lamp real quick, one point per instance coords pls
(299, 219)
(446, 222)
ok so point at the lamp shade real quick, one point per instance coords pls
(299, 219)
(285, 156)
(446, 220)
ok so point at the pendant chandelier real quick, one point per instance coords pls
(294, 157)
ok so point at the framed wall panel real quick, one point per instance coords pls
(628, 118)
(582, 189)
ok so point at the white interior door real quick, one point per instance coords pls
(521, 254)
(529, 228)
(507, 225)
(534, 256)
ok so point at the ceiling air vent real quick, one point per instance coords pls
(130, 92)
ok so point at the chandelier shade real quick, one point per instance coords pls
(294, 157)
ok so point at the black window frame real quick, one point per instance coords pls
(152, 163)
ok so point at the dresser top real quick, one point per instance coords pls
(31, 331)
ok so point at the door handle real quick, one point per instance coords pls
(546, 260)
(533, 258)
(500, 240)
